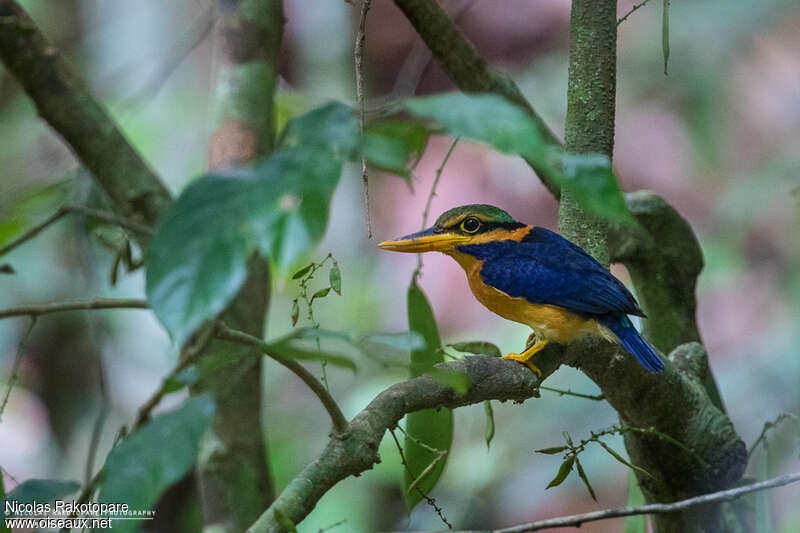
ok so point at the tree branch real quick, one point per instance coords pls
(105, 216)
(654, 508)
(36, 310)
(65, 102)
(356, 449)
(468, 70)
(240, 337)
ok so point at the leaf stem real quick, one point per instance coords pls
(36, 310)
(339, 421)
(63, 211)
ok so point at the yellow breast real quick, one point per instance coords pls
(548, 321)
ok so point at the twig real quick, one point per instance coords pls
(629, 13)
(428, 499)
(568, 392)
(358, 55)
(339, 421)
(33, 232)
(36, 310)
(653, 508)
(17, 361)
(99, 422)
(67, 210)
(426, 212)
(189, 356)
(762, 437)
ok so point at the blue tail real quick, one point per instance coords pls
(634, 343)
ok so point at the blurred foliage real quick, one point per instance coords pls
(707, 137)
(429, 433)
(141, 467)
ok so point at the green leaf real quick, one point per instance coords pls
(458, 381)
(432, 427)
(284, 521)
(489, 118)
(394, 145)
(406, 340)
(331, 128)
(563, 472)
(552, 451)
(302, 272)
(322, 293)
(635, 524)
(293, 350)
(487, 407)
(335, 279)
(508, 128)
(141, 467)
(295, 312)
(38, 491)
(592, 182)
(184, 378)
(477, 347)
(622, 460)
(585, 479)
(197, 259)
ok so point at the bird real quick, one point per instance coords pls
(534, 276)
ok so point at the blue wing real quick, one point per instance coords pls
(545, 268)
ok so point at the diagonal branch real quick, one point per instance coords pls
(64, 100)
(356, 450)
(468, 70)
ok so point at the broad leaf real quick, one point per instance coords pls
(406, 340)
(394, 145)
(431, 427)
(197, 259)
(489, 433)
(590, 179)
(456, 380)
(635, 524)
(141, 467)
(489, 118)
(585, 478)
(332, 128)
(294, 350)
(40, 491)
(563, 472)
(477, 348)
(508, 128)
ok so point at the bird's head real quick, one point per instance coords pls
(469, 224)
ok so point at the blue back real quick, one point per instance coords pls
(546, 268)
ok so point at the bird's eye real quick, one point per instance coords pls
(470, 225)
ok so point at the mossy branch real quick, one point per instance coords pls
(64, 100)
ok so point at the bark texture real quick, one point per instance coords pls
(64, 100)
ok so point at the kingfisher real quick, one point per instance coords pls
(536, 277)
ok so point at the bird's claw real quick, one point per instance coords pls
(527, 354)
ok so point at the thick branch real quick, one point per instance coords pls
(356, 450)
(664, 270)
(65, 102)
(468, 70)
